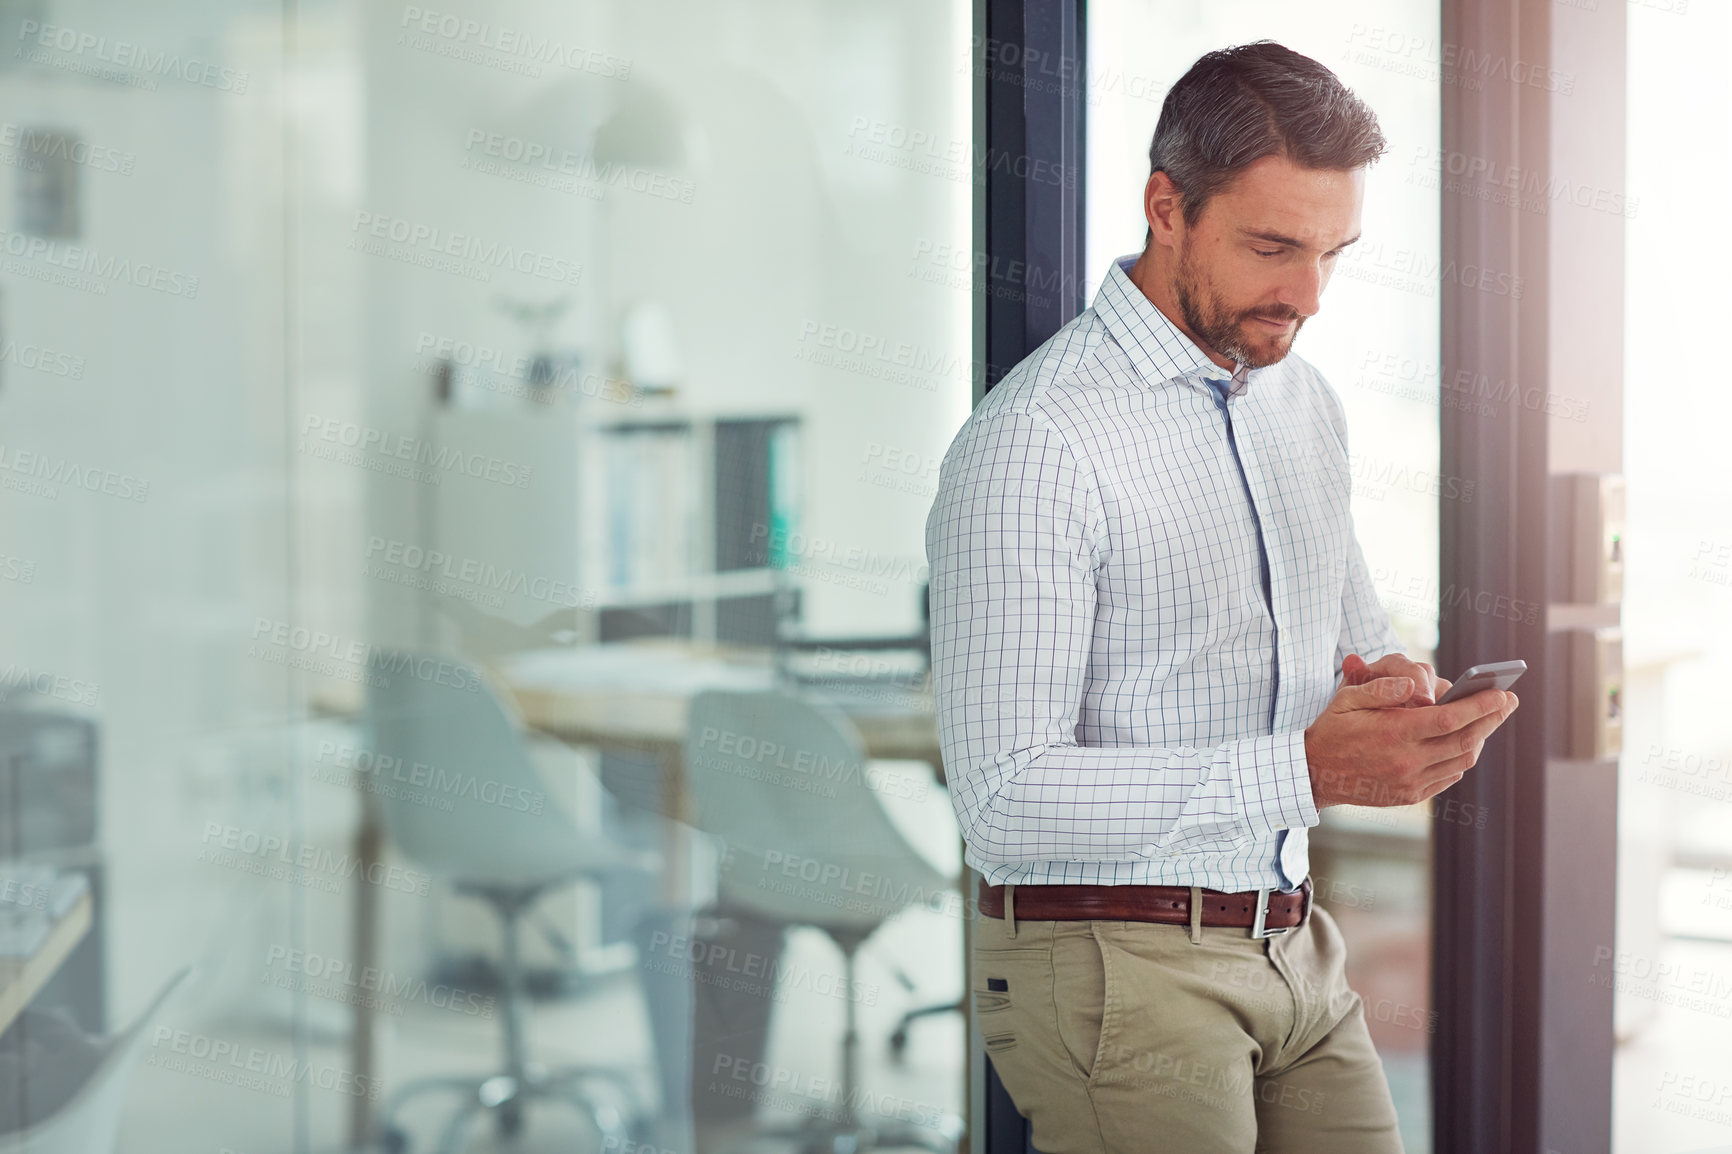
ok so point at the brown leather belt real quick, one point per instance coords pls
(1264, 912)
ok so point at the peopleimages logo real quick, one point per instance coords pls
(445, 568)
(365, 439)
(1014, 62)
(17, 678)
(78, 260)
(87, 46)
(43, 360)
(518, 45)
(52, 471)
(749, 755)
(585, 172)
(324, 652)
(925, 152)
(231, 845)
(430, 245)
(340, 979)
(776, 543)
(1455, 64)
(429, 784)
(35, 142)
(1534, 188)
(250, 1067)
(799, 1091)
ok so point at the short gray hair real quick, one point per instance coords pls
(1238, 105)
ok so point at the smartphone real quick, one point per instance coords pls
(1495, 675)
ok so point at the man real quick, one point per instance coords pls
(1157, 655)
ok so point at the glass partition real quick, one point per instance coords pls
(465, 472)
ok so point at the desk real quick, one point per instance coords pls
(634, 697)
(637, 697)
(22, 978)
(626, 697)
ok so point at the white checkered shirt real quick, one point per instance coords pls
(1118, 702)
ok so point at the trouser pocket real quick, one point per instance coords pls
(1039, 1006)
(1009, 989)
(1083, 997)
(1051, 994)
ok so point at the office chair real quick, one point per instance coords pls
(899, 1036)
(504, 842)
(781, 782)
(90, 1119)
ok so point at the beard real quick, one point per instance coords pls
(1225, 329)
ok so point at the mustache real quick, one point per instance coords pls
(1279, 315)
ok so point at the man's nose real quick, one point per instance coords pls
(1302, 288)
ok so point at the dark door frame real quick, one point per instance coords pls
(1029, 99)
(1522, 1057)
(1030, 80)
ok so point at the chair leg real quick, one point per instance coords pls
(899, 1036)
(512, 996)
(510, 1086)
(506, 1095)
(608, 1121)
(840, 1130)
(388, 1133)
(571, 1084)
(850, 1039)
(450, 1139)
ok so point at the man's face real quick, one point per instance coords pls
(1252, 266)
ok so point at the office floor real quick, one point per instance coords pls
(170, 1112)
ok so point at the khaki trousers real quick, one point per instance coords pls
(1129, 1037)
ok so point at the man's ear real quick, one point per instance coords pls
(1162, 211)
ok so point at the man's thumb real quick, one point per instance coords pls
(1378, 694)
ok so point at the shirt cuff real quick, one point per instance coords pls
(1275, 783)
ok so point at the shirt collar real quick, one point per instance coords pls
(1158, 348)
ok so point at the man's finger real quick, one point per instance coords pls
(1439, 687)
(1381, 693)
(1432, 789)
(1458, 715)
(1400, 665)
(1440, 750)
(1424, 678)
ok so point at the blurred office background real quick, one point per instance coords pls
(1674, 946)
(465, 467)
(374, 369)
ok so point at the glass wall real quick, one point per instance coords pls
(464, 479)
(1376, 341)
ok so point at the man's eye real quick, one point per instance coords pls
(1273, 252)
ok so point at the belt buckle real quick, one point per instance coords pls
(1259, 927)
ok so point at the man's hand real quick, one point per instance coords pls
(1364, 750)
(1428, 685)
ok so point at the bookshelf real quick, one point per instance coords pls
(655, 526)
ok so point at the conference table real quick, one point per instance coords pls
(633, 697)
